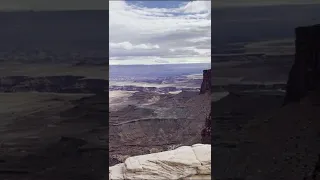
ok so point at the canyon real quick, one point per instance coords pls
(163, 148)
(279, 139)
(157, 122)
(53, 121)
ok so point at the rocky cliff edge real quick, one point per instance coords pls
(186, 162)
(206, 82)
(206, 87)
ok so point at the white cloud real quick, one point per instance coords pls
(200, 39)
(146, 60)
(128, 46)
(197, 6)
(246, 3)
(8, 5)
(149, 35)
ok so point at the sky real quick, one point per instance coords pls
(103, 4)
(159, 32)
(152, 32)
(9, 5)
(246, 3)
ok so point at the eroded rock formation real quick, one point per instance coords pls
(206, 83)
(206, 87)
(305, 71)
(186, 162)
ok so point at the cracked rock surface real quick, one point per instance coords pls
(186, 162)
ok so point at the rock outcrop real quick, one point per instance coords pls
(206, 131)
(206, 87)
(206, 82)
(305, 73)
(186, 162)
(285, 143)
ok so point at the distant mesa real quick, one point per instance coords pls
(55, 84)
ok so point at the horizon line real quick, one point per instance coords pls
(155, 64)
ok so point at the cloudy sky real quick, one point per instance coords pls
(53, 4)
(103, 4)
(246, 3)
(153, 32)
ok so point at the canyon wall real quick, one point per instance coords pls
(206, 131)
(304, 75)
(185, 162)
(206, 82)
(206, 87)
(55, 84)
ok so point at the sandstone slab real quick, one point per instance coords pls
(186, 162)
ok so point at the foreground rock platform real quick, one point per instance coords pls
(186, 162)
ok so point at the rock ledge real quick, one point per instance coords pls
(186, 162)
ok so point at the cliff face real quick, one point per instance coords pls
(206, 131)
(206, 83)
(206, 87)
(305, 73)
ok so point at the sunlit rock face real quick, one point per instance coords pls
(186, 162)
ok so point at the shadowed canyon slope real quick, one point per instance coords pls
(53, 91)
(55, 84)
(281, 139)
(53, 122)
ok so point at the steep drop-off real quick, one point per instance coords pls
(187, 162)
(158, 122)
(206, 88)
(305, 72)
